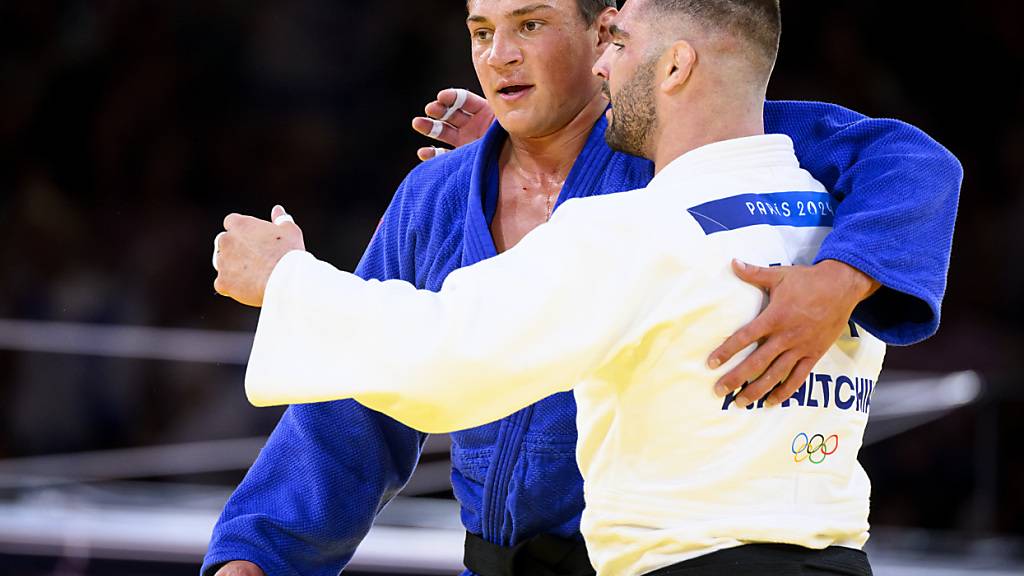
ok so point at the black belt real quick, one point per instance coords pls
(774, 559)
(543, 555)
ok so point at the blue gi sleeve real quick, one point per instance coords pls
(328, 468)
(899, 192)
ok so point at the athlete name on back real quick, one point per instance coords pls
(822, 391)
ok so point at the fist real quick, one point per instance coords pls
(247, 251)
(240, 568)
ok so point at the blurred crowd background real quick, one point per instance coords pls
(129, 128)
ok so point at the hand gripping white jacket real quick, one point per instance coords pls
(620, 298)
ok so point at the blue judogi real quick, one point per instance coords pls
(328, 468)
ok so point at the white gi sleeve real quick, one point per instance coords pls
(499, 335)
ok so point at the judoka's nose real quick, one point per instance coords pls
(600, 68)
(505, 50)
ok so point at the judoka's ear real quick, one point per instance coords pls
(677, 66)
(604, 24)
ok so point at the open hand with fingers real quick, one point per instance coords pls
(245, 254)
(456, 118)
(809, 308)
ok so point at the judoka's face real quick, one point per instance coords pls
(628, 69)
(533, 60)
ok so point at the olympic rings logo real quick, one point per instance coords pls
(813, 448)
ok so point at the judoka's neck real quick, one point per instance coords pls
(555, 152)
(686, 126)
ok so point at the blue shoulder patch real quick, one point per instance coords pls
(802, 209)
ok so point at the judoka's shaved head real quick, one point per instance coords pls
(754, 25)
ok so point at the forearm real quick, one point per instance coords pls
(902, 242)
(899, 191)
(483, 347)
(437, 363)
(852, 285)
(312, 494)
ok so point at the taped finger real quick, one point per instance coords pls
(436, 130)
(460, 100)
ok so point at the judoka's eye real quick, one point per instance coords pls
(482, 34)
(618, 46)
(532, 25)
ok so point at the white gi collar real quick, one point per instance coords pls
(764, 151)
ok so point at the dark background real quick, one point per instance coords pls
(128, 129)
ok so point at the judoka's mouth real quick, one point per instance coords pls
(514, 91)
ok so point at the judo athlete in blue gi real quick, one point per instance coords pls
(328, 468)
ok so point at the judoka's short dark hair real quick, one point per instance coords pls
(591, 9)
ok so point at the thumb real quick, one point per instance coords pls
(279, 216)
(764, 278)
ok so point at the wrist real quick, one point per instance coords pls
(240, 568)
(857, 285)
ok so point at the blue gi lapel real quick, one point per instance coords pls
(479, 244)
(585, 177)
(583, 181)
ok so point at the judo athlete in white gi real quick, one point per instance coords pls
(621, 298)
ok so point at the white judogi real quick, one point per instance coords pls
(621, 298)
